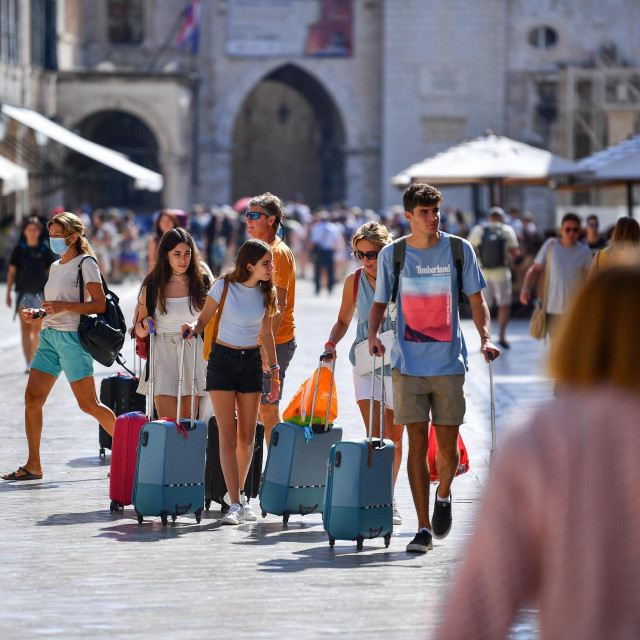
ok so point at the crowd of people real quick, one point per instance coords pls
(411, 289)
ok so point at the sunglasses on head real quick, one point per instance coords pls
(254, 215)
(369, 255)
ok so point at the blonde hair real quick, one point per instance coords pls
(72, 224)
(596, 342)
(374, 232)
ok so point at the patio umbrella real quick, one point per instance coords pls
(615, 166)
(488, 159)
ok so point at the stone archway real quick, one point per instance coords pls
(288, 138)
(101, 186)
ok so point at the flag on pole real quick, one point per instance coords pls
(190, 28)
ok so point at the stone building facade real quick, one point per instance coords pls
(250, 111)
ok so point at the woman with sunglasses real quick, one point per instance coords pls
(357, 294)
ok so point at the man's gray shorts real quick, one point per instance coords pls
(284, 353)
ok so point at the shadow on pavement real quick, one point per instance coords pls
(374, 554)
(64, 519)
(93, 461)
(152, 530)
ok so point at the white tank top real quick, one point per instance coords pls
(177, 314)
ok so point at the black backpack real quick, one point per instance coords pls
(491, 248)
(457, 252)
(102, 335)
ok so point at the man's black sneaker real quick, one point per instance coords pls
(421, 543)
(441, 519)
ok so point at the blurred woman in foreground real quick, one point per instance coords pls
(560, 520)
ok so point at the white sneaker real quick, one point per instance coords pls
(235, 515)
(397, 518)
(249, 515)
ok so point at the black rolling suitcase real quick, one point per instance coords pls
(118, 392)
(214, 484)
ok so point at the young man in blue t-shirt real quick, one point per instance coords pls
(429, 356)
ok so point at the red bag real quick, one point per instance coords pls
(463, 465)
(142, 344)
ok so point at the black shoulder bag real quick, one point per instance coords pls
(102, 335)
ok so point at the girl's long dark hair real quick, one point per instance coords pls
(171, 216)
(250, 253)
(160, 275)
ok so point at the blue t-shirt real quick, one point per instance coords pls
(428, 337)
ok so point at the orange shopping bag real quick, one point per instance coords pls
(300, 408)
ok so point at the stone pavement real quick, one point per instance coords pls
(71, 569)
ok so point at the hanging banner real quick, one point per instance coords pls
(291, 28)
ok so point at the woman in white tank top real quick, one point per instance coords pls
(172, 294)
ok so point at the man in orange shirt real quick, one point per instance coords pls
(264, 217)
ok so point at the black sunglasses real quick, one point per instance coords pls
(369, 255)
(254, 215)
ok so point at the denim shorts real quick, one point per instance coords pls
(234, 370)
(30, 300)
(61, 351)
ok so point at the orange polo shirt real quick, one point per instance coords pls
(284, 277)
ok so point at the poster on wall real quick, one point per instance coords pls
(261, 28)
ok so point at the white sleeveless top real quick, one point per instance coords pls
(177, 314)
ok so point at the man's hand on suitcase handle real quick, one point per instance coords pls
(489, 350)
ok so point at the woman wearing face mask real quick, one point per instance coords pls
(29, 270)
(173, 294)
(357, 294)
(234, 373)
(59, 348)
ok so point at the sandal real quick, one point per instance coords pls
(27, 475)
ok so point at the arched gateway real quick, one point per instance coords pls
(288, 137)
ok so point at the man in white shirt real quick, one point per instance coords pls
(324, 238)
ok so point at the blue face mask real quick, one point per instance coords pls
(58, 245)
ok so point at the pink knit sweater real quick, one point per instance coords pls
(559, 526)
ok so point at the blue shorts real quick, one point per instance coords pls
(61, 351)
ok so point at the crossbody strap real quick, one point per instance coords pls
(545, 284)
(399, 251)
(356, 283)
(80, 279)
(216, 322)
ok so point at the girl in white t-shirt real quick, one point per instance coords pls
(234, 372)
(59, 348)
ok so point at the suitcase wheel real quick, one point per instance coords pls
(114, 506)
(174, 518)
(207, 504)
(164, 516)
(332, 541)
(139, 517)
(387, 539)
(198, 515)
(359, 543)
(264, 513)
(285, 517)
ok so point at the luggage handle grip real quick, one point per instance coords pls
(305, 511)
(193, 382)
(371, 400)
(180, 511)
(324, 357)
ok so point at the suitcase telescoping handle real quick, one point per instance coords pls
(193, 380)
(494, 446)
(371, 400)
(324, 358)
(152, 369)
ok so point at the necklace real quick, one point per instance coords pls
(179, 275)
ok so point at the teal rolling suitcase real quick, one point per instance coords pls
(296, 471)
(170, 465)
(358, 501)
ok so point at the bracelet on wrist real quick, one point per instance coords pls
(485, 337)
(330, 342)
(276, 380)
(275, 367)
